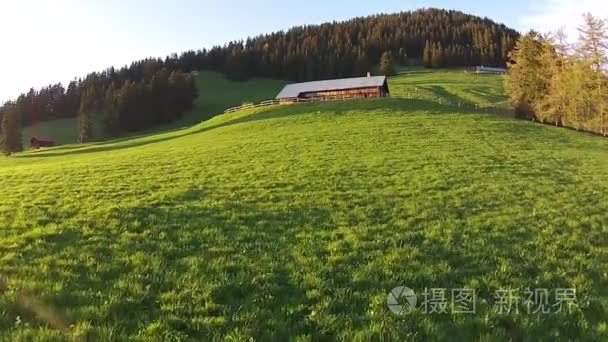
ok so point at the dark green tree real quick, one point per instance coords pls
(88, 104)
(111, 122)
(403, 58)
(387, 64)
(362, 66)
(428, 55)
(10, 138)
(437, 59)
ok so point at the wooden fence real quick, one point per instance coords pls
(497, 108)
(252, 105)
(277, 102)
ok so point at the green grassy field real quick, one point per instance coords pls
(297, 221)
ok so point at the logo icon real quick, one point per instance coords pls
(401, 300)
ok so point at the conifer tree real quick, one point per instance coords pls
(428, 55)
(85, 121)
(438, 56)
(111, 122)
(387, 64)
(11, 140)
(362, 66)
(403, 58)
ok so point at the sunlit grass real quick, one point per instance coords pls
(296, 221)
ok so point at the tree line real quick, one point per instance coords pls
(133, 106)
(134, 98)
(354, 47)
(553, 81)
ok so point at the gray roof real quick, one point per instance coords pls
(294, 90)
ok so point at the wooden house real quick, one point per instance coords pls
(347, 88)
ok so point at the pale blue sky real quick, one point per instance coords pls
(53, 41)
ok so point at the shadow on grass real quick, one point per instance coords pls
(441, 92)
(196, 266)
(240, 253)
(491, 97)
(439, 81)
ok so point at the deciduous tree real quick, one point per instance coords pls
(525, 81)
(592, 51)
(548, 82)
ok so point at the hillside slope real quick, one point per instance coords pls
(216, 93)
(299, 220)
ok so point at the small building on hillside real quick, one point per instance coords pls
(347, 88)
(486, 70)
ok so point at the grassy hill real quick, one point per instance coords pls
(218, 93)
(297, 221)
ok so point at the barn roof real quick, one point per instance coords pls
(294, 90)
(488, 69)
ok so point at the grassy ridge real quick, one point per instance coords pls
(298, 220)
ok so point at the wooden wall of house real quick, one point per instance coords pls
(360, 93)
